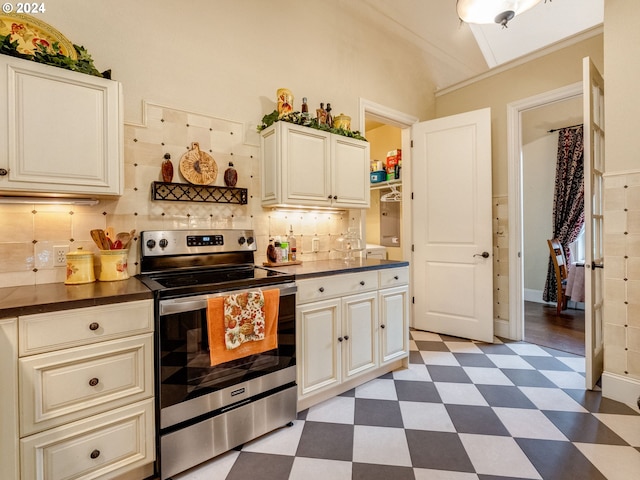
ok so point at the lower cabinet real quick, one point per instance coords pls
(350, 330)
(83, 398)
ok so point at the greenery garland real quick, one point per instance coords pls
(42, 54)
(299, 119)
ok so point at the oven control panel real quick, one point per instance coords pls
(156, 243)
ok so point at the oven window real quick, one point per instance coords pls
(185, 370)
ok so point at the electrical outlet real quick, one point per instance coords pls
(60, 255)
(315, 245)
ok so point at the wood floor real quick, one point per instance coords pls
(564, 332)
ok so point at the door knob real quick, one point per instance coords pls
(483, 255)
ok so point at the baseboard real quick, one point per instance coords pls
(531, 295)
(621, 389)
(501, 328)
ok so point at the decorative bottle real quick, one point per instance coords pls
(272, 255)
(305, 108)
(230, 176)
(293, 251)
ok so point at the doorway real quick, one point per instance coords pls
(533, 152)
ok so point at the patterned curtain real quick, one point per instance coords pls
(568, 200)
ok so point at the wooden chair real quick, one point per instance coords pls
(560, 267)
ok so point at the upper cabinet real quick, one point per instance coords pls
(60, 131)
(309, 167)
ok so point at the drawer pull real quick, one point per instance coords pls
(346, 337)
(382, 325)
(94, 381)
(362, 282)
(95, 454)
(94, 326)
(340, 339)
(396, 277)
(321, 289)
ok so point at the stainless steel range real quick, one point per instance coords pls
(205, 409)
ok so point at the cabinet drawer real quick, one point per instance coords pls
(336, 286)
(390, 277)
(60, 387)
(44, 332)
(103, 446)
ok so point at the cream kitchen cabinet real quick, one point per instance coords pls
(83, 385)
(61, 132)
(350, 330)
(308, 167)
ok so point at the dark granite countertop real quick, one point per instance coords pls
(323, 268)
(50, 297)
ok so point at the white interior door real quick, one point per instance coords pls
(593, 84)
(452, 239)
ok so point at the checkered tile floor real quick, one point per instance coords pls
(461, 411)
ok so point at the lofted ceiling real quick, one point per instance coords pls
(456, 51)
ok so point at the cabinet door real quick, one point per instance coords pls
(394, 323)
(60, 131)
(350, 185)
(306, 163)
(9, 398)
(360, 319)
(318, 347)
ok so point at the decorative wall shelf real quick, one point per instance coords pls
(183, 192)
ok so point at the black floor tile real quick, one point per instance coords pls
(417, 391)
(449, 338)
(546, 363)
(438, 451)
(444, 373)
(367, 471)
(271, 467)
(558, 460)
(527, 378)
(427, 346)
(331, 441)
(505, 396)
(583, 428)
(378, 413)
(415, 357)
(596, 403)
(495, 349)
(302, 415)
(473, 360)
(348, 393)
(474, 419)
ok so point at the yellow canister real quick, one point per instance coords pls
(113, 265)
(342, 121)
(79, 267)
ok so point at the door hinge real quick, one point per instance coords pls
(413, 299)
(412, 248)
(411, 143)
(411, 195)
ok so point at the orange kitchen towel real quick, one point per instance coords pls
(218, 351)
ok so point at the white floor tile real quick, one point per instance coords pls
(425, 336)
(460, 394)
(379, 389)
(334, 410)
(577, 364)
(509, 361)
(426, 416)
(283, 441)
(439, 358)
(499, 456)
(463, 347)
(552, 399)
(415, 372)
(565, 379)
(380, 445)
(528, 423)
(319, 469)
(615, 462)
(427, 474)
(626, 426)
(487, 376)
(528, 349)
(219, 467)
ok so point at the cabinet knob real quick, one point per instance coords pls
(94, 381)
(329, 197)
(321, 289)
(382, 325)
(3, 172)
(362, 282)
(396, 277)
(346, 337)
(340, 339)
(335, 197)
(94, 326)
(95, 454)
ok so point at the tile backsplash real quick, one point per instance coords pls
(29, 233)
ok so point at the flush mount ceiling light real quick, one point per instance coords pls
(490, 11)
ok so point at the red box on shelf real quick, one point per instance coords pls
(394, 157)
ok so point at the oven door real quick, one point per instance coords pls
(190, 387)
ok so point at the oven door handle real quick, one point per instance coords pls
(189, 304)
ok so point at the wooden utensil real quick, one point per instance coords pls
(100, 239)
(123, 239)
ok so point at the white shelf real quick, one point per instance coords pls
(386, 184)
